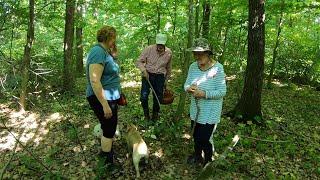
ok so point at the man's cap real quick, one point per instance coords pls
(161, 39)
(200, 45)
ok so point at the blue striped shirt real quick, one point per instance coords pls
(213, 82)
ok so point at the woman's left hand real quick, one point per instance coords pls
(199, 93)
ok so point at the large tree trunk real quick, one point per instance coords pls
(249, 105)
(79, 51)
(79, 48)
(27, 57)
(182, 99)
(68, 79)
(275, 49)
(206, 18)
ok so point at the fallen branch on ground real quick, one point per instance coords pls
(264, 140)
(208, 170)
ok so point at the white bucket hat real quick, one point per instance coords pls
(161, 39)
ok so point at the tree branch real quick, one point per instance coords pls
(264, 140)
(209, 169)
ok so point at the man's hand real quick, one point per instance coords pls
(145, 74)
(165, 85)
(107, 111)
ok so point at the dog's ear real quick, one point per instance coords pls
(126, 126)
(134, 127)
(131, 126)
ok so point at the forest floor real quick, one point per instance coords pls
(58, 141)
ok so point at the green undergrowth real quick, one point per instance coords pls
(287, 147)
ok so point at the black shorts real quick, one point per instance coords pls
(108, 126)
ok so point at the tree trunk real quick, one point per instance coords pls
(175, 17)
(249, 105)
(275, 52)
(79, 52)
(206, 19)
(27, 57)
(224, 47)
(182, 99)
(239, 42)
(68, 78)
(196, 21)
(158, 18)
(79, 48)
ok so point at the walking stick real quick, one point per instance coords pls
(154, 92)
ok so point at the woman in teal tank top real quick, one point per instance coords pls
(103, 87)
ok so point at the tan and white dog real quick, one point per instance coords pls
(137, 146)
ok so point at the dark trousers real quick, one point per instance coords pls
(108, 126)
(201, 136)
(157, 82)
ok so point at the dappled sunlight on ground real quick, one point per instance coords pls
(66, 144)
(77, 149)
(131, 84)
(279, 83)
(186, 136)
(279, 119)
(24, 126)
(259, 159)
(159, 153)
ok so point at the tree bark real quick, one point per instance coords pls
(27, 57)
(249, 105)
(206, 19)
(182, 99)
(158, 18)
(196, 21)
(68, 78)
(79, 45)
(224, 47)
(275, 52)
(175, 17)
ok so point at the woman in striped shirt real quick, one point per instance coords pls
(206, 85)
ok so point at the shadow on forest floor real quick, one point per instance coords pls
(288, 147)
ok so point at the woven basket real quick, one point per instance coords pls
(168, 97)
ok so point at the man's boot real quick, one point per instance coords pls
(155, 116)
(146, 114)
